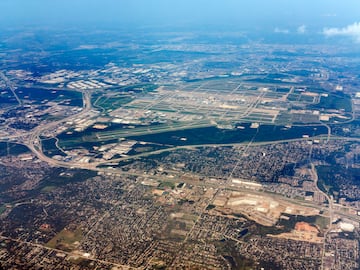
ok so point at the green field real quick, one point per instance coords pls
(12, 149)
(65, 240)
(334, 102)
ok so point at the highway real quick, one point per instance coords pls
(34, 141)
(10, 86)
(315, 178)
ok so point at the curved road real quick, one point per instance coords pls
(34, 141)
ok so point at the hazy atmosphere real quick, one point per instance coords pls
(189, 134)
(283, 15)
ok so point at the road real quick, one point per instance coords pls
(10, 86)
(34, 141)
(330, 208)
(121, 266)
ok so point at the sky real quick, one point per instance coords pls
(282, 16)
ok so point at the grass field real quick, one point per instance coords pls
(65, 239)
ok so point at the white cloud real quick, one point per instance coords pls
(281, 31)
(301, 29)
(352, 30)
